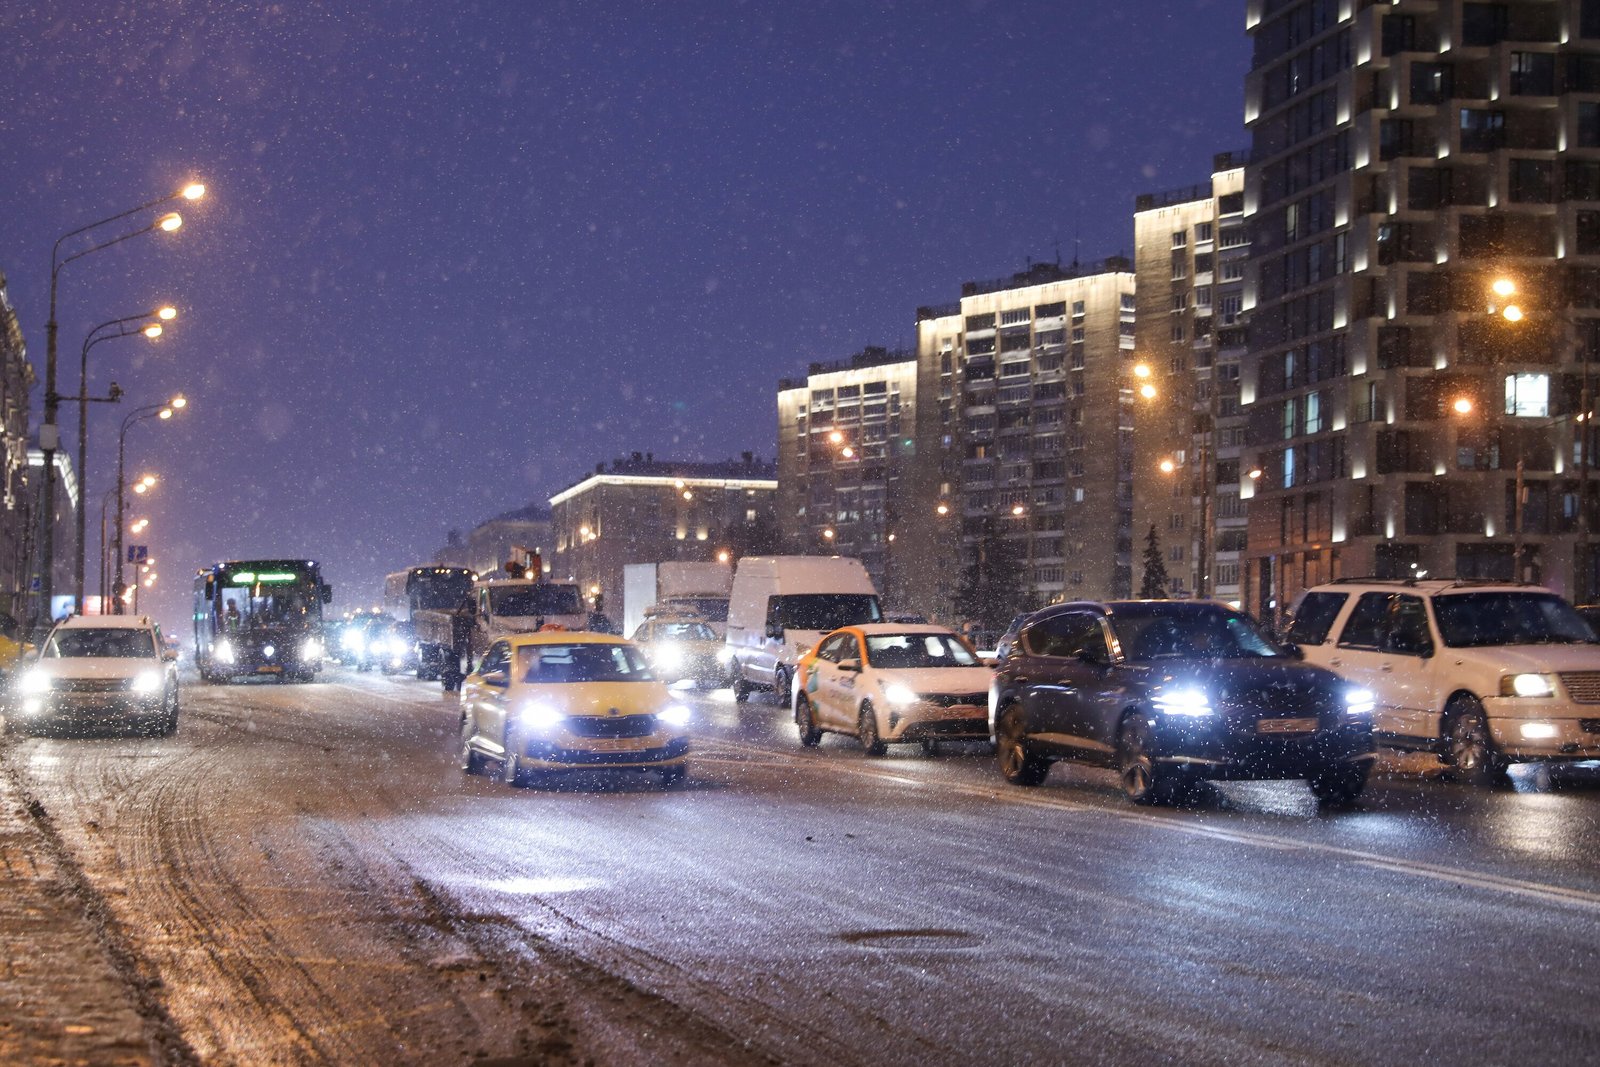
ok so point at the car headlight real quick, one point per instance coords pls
(540, 716)
(674, 715)
(32, 682)
(1527, 685)
(146, 683)
(355, 643)
(223, 651)
(311, 648)
(668, 656)
(899, 694)
(1359, 701)
(1540, 731)
(1184, 702)
(724, 654)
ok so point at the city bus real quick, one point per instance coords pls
(428, 588)
(259, 618)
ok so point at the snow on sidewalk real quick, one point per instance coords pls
(61, 999)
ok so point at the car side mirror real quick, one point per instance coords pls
(169, 655)
(497, 678)
(851, 665)
(774, 631)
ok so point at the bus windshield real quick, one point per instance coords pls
(434, 591)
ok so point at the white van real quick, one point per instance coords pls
(781, 606)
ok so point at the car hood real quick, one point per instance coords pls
(97, 667)
(599, 698)
(1532, 659)
(939, 679)
(1255, 682)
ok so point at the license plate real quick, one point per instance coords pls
(616, 744)
(1286, 726)
(269, 670)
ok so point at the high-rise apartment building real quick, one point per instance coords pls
(1190, 247)
(1024, 433)
(1423, 197)
(16, 377)
(846, 442)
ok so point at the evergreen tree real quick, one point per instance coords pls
(991, 589)
(1154, 584)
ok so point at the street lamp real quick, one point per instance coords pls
(49, 430)
(148, 324)
(137, 415)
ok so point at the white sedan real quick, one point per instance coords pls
(886, 683)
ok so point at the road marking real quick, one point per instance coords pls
(1544, 891)
(376, 695)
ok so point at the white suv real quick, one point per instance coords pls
(1483, 673)
(100, 670)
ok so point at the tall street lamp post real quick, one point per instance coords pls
(49, 430)
(137, 415)
(147, 325)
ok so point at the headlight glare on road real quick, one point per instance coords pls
(33, 682)
(1359, 701)
(899, 695)
(674, 715)
(147, 683)
(540, 716)
(1527, 685)
(1184, 702)
(223, 651)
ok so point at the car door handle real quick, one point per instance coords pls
(1336, 663)
(1387, 667)
(1021, 680)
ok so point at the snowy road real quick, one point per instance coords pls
(302, 875)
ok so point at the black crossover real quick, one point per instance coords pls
(1167, 691)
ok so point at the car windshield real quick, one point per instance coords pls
(684, 631)
(556, 664)
(123, 642)
(900, 651)
(533, 600)
(827, 611)
(1186, 631)
(1478, 620)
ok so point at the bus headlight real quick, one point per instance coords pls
(222, 651)
(311, 649)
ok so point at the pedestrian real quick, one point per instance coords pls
(230, 618)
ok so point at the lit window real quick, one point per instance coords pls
(1528, 395)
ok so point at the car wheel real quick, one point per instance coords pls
(511, 767)
(1144, 781)
(471, 758)
(930, 747)
(780, 686)
(805, 720)
(1339, 786)
(1017, 765)
(867, 732)
(1469, 748)
(674, 774)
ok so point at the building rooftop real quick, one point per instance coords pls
(871, 356)
(1187, 194)
(645, 465)
(1045, 273)
(534, 512)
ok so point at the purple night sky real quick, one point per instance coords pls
(455, 254)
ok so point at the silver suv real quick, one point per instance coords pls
(99, 671)
(1484, 673)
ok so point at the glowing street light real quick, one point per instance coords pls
(1503, 287)
(847, 452)
(1462, 405)
(169, 223)
(828, 533)
(1017, 509)
(1167, 466)
(1147, 391)
(942, 509)
(1255, 474)
(153, 330)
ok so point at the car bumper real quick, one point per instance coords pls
(572, 755)
(1563, 732)
(86, 707)
(925, 723)
(1236, 755)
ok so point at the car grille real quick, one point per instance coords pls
(1590, 726)
(950, 700)
(617, 726)
(1582, 686)
(92, 685)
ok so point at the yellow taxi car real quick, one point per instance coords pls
(892, 682)
(566, 701)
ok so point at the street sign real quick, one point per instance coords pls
(138, 553)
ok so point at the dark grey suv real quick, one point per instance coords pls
(1169, 691)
